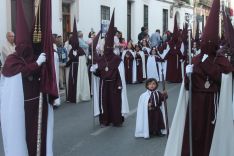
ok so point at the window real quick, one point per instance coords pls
(146, 16)
(129, 21)
(165, 20)
(105, 13)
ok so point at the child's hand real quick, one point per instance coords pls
(164, 92)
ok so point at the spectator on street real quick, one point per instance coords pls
(155, 39)
(142, 33)
(62, 55)
(9, 47)
(84, 45)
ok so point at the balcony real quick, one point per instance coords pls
(206, 3)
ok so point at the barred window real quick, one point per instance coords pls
(146, 16)
(105, 13)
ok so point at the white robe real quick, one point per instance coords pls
(182, 61)
(124, 100)
(83, 87)
(142, 121)
(223, 137)
(57, 101)
(233, 100)
(152, 71)
(13, 118)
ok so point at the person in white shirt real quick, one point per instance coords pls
(9, 47)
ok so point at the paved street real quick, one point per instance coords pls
(76, 135)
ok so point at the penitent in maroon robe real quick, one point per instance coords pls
(139, 67)
(31, 85)
(204, 103)
(128, 66)
(110, 93)
(173, 63)
(146, 52)
(73, 63)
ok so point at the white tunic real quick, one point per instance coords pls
(82, 87)
(152, 70)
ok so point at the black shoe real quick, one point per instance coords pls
(159, 134)
(104, 125)
(118, 125)
(55, 107)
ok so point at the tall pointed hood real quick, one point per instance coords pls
(96, 57)
(228, 30)
(210, 37)
(175, 31)
(22, 31)
(109, 61)
(74, 39)
(109, 39)
(95, 40)
(185, 33)
(197, 38)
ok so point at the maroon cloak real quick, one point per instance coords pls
(139, 67)
(128, 66)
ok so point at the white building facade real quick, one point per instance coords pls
(130, 15)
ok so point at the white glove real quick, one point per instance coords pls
(119, 87)
(189, 69)
(93, 68)
(74, 53)
(205, 56)
(90, 57)
(41, 59)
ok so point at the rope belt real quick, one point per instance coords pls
(32, 99)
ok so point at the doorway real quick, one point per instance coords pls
(66, 9)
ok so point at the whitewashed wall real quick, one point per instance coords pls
(5, 20)
(57, 17)
(88, 14)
